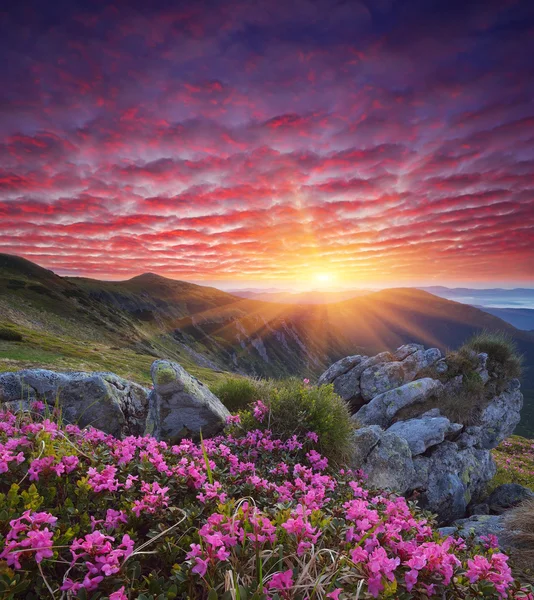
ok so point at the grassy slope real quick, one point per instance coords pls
(515, 462)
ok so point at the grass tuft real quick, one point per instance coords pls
(239, 393)
(504, 361)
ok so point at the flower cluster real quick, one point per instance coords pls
(82, 510)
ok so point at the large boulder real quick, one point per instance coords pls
(422, 433)
(501, 416)
(180, 406)
(363, 441)
(389, 465)
(103, 400)
(449, 479)
(340, 368)
(417, 361)
(478, 526)
(508, 496)
(347, 386)
(380, 378)
(383, 408)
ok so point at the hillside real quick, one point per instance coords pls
(84, 323)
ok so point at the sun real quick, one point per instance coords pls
(323, 278)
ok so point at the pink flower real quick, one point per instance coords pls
(259, 411)
(233, 419)
(118, 595)
(335, 594)
(281, 581)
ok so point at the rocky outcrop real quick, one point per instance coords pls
(404, 446)
(178, 406)
(181, 406)
(103, 400)
(506, 496)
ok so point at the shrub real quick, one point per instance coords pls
(85, 515)
(238, 393)
(503, 358)
(10, 335)
(294, 408)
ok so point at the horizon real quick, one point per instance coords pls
(304, 146)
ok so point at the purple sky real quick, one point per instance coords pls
(273, 143)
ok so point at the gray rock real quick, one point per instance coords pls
(383, 408)
(453, 431)
(433, 412)
(501, 416)
(455, 479)
(479, 526)
(403, 351)
(389, 464)
(363, 441)
(507, 496)
(479, 509)
(340, 368)
(180, 406)
(421, 433)
(441, 366)
(380, 378)
(347, 386)
(103, 400)
(481, 369)
(419, 360)
(470, 437)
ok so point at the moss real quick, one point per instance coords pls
(164, 374)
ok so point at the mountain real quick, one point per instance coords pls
(311, 297)
(86, 323)
(521, 318)
(488, 298)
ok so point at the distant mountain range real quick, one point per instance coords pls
(511, 306)
(152, 316)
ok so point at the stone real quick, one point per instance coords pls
(422, 433)
(347, 386)
(441, 366)
(380, 378)
(480, 526)
(419, 360)
(382, 409)
(500, 417)
(456, 478)
(340, 368)
(478, 509)
(507, 496)
(103, 400)
(389, 465)
(470, 437)
(403, 351)
(363, 441)
(180, 406)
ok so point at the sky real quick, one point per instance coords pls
(297, 144)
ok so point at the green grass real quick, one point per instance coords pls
(63, 353)
(515, 462)
(238, 393)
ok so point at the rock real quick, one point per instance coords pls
(421, 433)
(419, 360)
(383, 408)
(389, 464)
(480, 526)
(363, 441)
(479, 509)
(103, 400)
(407, 349)
(340, 368)
(380, 378)
(481, 369)
(501, 416)
(455, 479)
(347, 386)
(180, 406)
(433, 412)
(441, 366)
(470, 437)
(507, 496)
